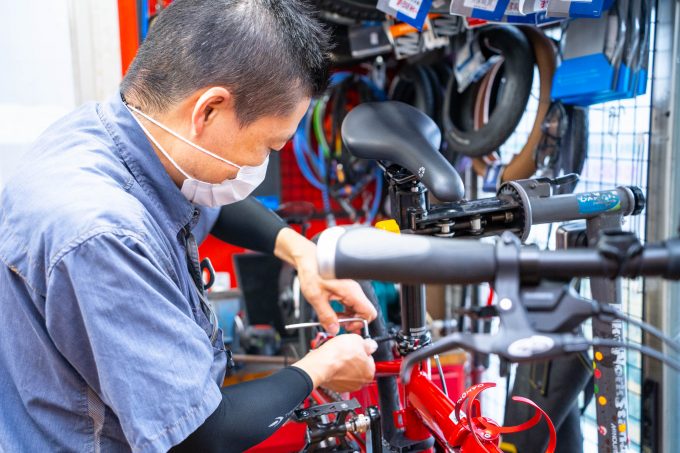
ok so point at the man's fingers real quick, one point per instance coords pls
(352, 296)
(327, 316)
(370, 345)
(318, 299)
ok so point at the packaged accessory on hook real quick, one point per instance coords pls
(509, 11)
(605, 59)
(408, 41)
(413, 12)
(577, 8)
(492, 10)
(368, 41)
(528, 13)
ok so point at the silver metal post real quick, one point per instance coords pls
(662, 299)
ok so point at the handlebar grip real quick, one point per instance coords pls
(660, 260)
(656, 260)
(372, 254)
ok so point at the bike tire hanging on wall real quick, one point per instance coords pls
(414, 85)
(522, 165)
(514, 47)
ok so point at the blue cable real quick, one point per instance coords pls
(305, 156)
(302, 162)
(302, 153)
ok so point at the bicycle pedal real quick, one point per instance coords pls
(305, 414)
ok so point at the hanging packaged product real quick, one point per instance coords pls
(368, 41)
(408, 41)
(413, 12)
(605, 59)
(531, 6)
(591, 56)
(529, 12)
(492, 10)
(577, 8)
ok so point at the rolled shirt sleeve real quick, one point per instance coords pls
(131, 333)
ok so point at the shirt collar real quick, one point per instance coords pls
(139, 156)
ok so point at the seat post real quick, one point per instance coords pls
(408, 198)
(414, 333)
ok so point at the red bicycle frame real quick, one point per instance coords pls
(428, 411)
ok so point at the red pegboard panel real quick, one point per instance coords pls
(294, 186)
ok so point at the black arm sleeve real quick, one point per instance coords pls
(249, 413)
(248, 224)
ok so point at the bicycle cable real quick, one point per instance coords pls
(645, 327)
(646, 350)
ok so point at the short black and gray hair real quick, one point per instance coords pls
(269, 53)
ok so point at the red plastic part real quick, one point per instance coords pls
(472, 22)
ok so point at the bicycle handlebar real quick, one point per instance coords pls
(368, 253)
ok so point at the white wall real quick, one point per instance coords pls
(54, 55)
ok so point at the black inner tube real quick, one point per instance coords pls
(413, 85)
(509, 104)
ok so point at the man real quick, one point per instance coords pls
(108, 342)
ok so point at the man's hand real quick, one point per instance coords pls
(342, 364)
(301, 253)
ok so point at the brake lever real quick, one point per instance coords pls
(510, 346)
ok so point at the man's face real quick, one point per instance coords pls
(245, 146)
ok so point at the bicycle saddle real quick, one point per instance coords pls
(399, 133)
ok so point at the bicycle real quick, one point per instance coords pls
(408, 152)
(537, 308)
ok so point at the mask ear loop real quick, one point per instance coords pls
(155, 142)
(179, 137)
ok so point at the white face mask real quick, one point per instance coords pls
(204, 193)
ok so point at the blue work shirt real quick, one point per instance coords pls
(105, 345)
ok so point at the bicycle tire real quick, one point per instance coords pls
(413, 85)
(518, 70)
(523, 165)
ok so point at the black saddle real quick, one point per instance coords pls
(399, 133)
